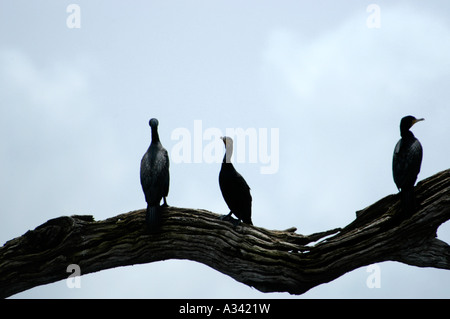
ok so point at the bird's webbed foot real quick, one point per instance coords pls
(228, 217)
(164, 203)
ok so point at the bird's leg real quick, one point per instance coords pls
(226, 217)
(164, 203)
(229, 218)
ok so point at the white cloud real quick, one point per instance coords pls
(52, 91)
(58, 149)
(353, 63)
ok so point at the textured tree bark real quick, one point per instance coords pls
(268, 260)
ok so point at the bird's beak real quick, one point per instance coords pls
(418, 120)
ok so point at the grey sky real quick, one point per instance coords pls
(76, 105)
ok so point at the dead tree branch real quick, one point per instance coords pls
(268, 260)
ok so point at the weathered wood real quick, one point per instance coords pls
(268, 260)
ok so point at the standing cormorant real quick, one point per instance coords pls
(406, 164)
(155, 177)
(234, 188)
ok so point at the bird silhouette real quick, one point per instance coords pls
(234, 188)
(406, 164)
(154, 177)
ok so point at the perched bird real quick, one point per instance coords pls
(234, 188)
(155, 177)
(406, 163)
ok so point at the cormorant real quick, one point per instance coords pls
(155, 177)
(234, 188)
(406, 163)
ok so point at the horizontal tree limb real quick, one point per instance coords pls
(269, 260)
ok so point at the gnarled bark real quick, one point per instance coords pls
(268, 260)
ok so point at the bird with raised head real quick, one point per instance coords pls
(234, 188)
(406, 164)
(154, 177)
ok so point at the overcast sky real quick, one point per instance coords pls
(331, 80)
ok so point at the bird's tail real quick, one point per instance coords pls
(153, 218)
(408, 201)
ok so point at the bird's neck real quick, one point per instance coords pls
(227, 156)
(155, 136)
(406, 134)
